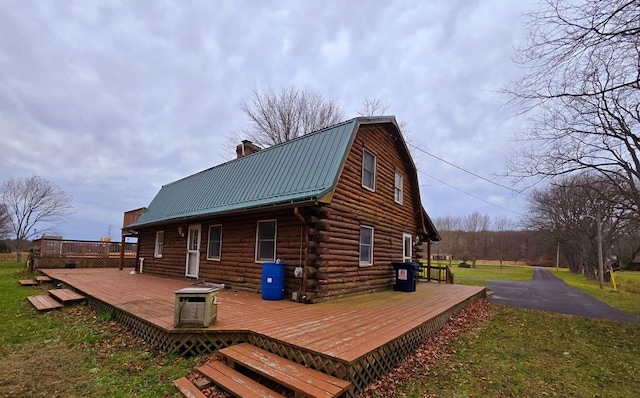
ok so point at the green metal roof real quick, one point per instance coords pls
(303, 169)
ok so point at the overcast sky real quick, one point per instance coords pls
(111, 100)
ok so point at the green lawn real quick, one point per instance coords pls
(518, 353)
(74, 351)
(522, 353)
(626, 298)
(483, 274)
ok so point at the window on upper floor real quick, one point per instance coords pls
(368, 170)
(398, 189)
(159, 244)
(214, 250)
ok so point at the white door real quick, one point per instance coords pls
(193, 251)
(407, 247)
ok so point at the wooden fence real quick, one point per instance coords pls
(59, 253)
(436, 273)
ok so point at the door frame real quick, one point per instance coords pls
(195, 252)
(404, 247)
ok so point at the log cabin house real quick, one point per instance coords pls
(339, 204)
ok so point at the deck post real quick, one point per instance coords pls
(121, 263)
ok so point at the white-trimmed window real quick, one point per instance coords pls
(368, 170)
(159, 244)
(398, 189)
(214, 249)
(266, 240)
(407, 247)
(366, 245)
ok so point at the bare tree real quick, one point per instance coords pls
(32, 202)
(570, 210)
(476, 225)
(5, 222)
(377, 107)
(279, 116)
(450, 229)
(373, 107)
(582, 92)
(503, 225)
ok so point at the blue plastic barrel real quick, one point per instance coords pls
(272, 281)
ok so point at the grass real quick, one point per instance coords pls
(484, 273)
(627, 298)
(77, 352)
(522, 353)
(74, 351)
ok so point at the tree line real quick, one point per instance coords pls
(478, 237)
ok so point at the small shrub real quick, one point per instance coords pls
(464, 264)
(108, 315)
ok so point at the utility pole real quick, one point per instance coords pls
(558, 256)
(600, 261)
(598, 219)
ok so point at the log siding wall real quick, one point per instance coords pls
(324, 239)
(352, 205)
(237, 266)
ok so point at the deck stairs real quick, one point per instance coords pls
(245, 370)
(35, 281)
(56, 298)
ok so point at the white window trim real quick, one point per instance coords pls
(275, 240)
(159, 245)
(398, 189)
(209, 257)
(404, 248)
(375, 162)
(360, 262)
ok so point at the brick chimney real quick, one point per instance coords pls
(245, 148)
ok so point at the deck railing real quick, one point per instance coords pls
(440, 273)
(57, 252)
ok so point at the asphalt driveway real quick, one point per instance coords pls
(545, 292)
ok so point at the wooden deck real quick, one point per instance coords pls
(342, 337)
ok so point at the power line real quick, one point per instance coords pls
(466, 171)
(472, 195)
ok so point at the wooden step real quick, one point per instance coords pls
(28, 282)
(43, 279)
(44, 303)
(187, 388)
(235, 382)
(298, 378)
(66, 295)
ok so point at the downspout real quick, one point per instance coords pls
(303, 291)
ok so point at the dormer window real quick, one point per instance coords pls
(368, 170)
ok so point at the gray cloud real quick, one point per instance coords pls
(110, 100)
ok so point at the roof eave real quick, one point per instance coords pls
(255, 209)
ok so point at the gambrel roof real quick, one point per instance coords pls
(303, 170)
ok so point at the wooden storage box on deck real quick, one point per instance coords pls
(196, 306)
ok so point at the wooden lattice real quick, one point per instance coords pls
(377, 363)
(361, 372)
(185, 343)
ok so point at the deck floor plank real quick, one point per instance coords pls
(344, 329)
